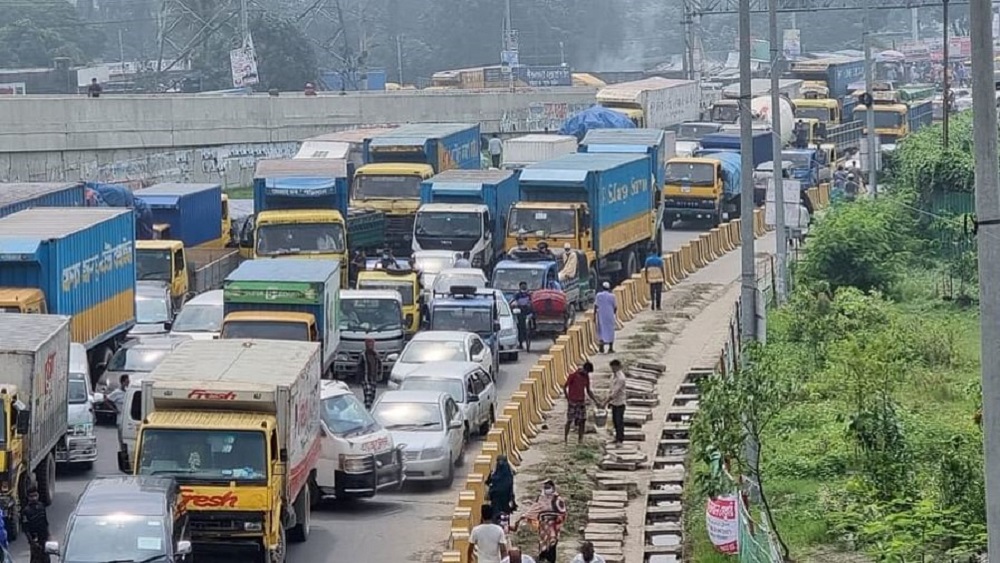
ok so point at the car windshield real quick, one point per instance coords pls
(300, 238)
(394, 187)
(444, 282)
(267, 330)
(152, 265)
(690, 132)
(404, 288)
(692, 173)
(425, 351)
(798, 160)
(424, 417)
(78, 391)
(152, 310)
(370, 315)
(114, 537)
(448, 224)
(508, 279)
(452, 387)
(345, 416)
(199, 318)
(137, 359)
(548, 221)
(204, 455)
(466, 319)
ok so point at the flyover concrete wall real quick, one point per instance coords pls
(143, 139)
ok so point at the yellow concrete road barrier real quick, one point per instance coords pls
(569, 355)
(552, 383)
(459, 542)
(642, 289)
(536, 387)
(531, 388)
(708, 253)
(525, 403)
(622, 314)
(726, 238)
(687, 259)
(632, 295)
(736, 225)
(669, 274)
(758, 223)
(590, 326)
(559, 363)
(506, 424)
(698, 254)
(461, 519)
(579, 344)
(813, 195)
(824, 195)
(718, 243)
(677, 266)
(468, 499)
(498, 436)
(490, 449)
(483, 465)
(453, 557)
(519, 418)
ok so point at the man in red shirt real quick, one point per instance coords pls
(577, 389)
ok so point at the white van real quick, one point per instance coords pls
(358, 456)
(80, 445)
(129, 422)
(201, 317)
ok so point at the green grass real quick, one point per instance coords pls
(243, 192)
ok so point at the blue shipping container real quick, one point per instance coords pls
(301, 183)
(841, 75)
(83, 261)
(615, 187)
(631, 141)
(763, 150)
(442, 145)
(193, 211)
(16, 197)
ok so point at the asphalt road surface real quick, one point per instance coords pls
(409, 525)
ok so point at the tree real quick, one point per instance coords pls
(34, 33)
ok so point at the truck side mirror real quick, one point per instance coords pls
(183, 548)
(124, 465)
(23, 424)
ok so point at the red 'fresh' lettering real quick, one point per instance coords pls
(201, 394)
(189, 498)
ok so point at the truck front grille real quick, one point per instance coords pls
(221, 522)
(386, 459)
(690, 203)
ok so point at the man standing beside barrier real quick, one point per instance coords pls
(606, 307)
(616, 398)
(654, 277)
(577, 389)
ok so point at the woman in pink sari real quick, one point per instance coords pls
(547, 515)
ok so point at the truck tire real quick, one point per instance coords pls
(45, 479)
(299, 533)
(281, 553)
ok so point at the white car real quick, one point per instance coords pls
(430, 263)
(471, 387)
(509, 346)
(431, 426)
(80, 445)
(358, 457)
(201, 317)
(440, 346)
(469, 277)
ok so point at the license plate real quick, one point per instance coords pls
(686, 189)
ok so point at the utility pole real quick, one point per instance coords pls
(870, 112)
(399, 59)
(781, 239)
(946, 118)
(915, 24)
(984, 131)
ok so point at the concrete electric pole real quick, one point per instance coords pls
(781, 237)
(988, 214)
(946, 117)
(870, 112)
(748, 296)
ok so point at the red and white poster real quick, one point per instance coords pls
(723, 527)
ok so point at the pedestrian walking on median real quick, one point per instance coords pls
(654, 277)
(616, 398)
(487, 540)
(371, 372)
(606, 307)
(587, 554)
(501, 489)
(547, 515)
(577, 389)
(496, 150)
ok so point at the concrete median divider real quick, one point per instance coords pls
(824, 196)
(521, 418)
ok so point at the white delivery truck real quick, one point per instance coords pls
(358, 458)
(237, 424)
(654, 103)
(34, 373)
(529, 149)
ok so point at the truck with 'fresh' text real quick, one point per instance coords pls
(654, 103)
(237, 424)
(702, 188)
(285, 300)
(16, 197)
(77, 262)
(302, 212)
(396, 163)
(34, 379)
(466, 211)
(601, 204)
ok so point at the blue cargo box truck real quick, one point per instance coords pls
(631, 141)
(763, 151)
(190, 213)
(290, 299)
(442, 145)
(470, 197)
(598, 202)
(16, 197)
(77, 262)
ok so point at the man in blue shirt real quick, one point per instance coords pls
(654, 277)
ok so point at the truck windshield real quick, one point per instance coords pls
(821, 114)
(345, 416)
(137, 359)
(449, 224)
(269, 330)
(300, 238)
(690, 132)
(725, 114)
(211, 455)
(405, 289)
(387, 187)
(508, 279)
(798, 160)
(115, 537)
(199, 318)
(151, 311)
(370, 315)
(887, 119)
(691, 173)
(549, 221)
(468, 319)
(152, 265)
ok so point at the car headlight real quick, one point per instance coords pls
(432, 453)
(353, 464)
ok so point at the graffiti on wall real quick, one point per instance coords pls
(539, 117)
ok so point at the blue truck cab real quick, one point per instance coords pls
(468, 309)
(538, 272)
(805, 165)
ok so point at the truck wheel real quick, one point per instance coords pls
(45, 478)
(279, 554)
(303, 514)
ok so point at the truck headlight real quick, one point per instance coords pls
(432, 453)
(253, 527)
(353, 464)
(342, 357)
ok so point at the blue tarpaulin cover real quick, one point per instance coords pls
(594, 117)
(114, 195)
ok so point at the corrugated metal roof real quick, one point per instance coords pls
(301, 167)
(14, 192)
(284, 270)
(27, 333)
(55, 222)
(646, 137)
(176, 189)
(456, 175)
(240, 364)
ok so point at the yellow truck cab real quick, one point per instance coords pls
(188, 271)
(22, 300)
(394, 189)
(407, 283)
(272, 325)
(572, 219)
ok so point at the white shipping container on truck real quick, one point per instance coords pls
(34, 367)
(529, 149)
(670, 145)
(654, 103)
